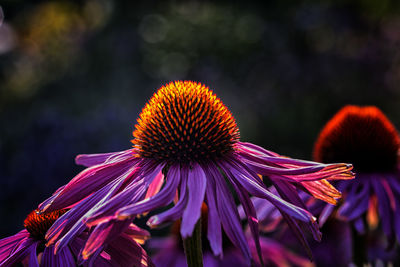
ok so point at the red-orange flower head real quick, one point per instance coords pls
(363, 136)
(38, 224)
(185, 121)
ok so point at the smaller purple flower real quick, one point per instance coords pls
(29, 246)
(370, 203)
(365, 137)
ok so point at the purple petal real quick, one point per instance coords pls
(325, 213)
(155, 186)
(251, 216)
(9, 244)
(33, 260)
(89, 160)
(163, 198)
(20, 253)
(133, 193)
(103, 234)
(72, 221)
(85, 183)
(254, 188)
(197, 183)
(289, 193)
(214, 234)
(356, 202)
(62, 258)
(385, 212)
(228, 213)
(176, 211)
(126, 252)
(359, 225)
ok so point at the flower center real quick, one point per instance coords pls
(185, 121)
(362, 136)
(38, 224)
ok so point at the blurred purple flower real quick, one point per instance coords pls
(29, 247)
(365, 137)
(186, 151)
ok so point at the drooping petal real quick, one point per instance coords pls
(9, 244)
(71, 223)
(102, 234)
(20, 253)
(357, 201)
(289, 193)
(126, 252)
(155, 186)
(132, 193)
(196, 187)
(247, 206)
(176, 211)
(254, 188)
(85, 183)
(385, 212)
(323, 190)
(33, 259)
(163, 198)
(89, 160)
(228, 213)
(63, 258)
(214, 234)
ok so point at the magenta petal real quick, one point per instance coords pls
(155, 186)
(163, 198)
(101, 235)
(196, 188)
(126, 252)
(89, 160)
(20, 253)
(176, 211)
(87, 182)
(71, 222)
(9, 244)
(132, 193)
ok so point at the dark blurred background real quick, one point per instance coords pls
(74, 76)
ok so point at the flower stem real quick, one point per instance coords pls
(193, 248)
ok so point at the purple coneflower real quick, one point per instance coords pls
(365, 137)
(186, 150)
(29, 246)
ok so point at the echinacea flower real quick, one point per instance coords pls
(169, 251)
(365, 137)
(186, 150)
(29, 246)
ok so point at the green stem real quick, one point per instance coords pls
(193, 248)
